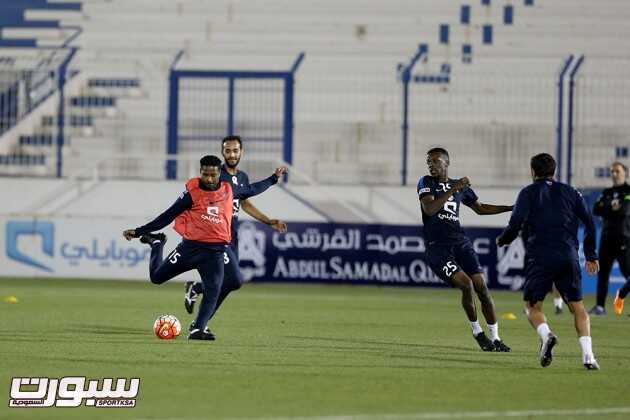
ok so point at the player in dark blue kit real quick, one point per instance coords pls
(203, 217)
(548, 213)
(232, 151)
(450, 253)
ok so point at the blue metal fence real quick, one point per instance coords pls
(25, 85)
(206, 105)
(405, 72)
(567, 80)
(566, 117)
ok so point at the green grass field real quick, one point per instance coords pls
(303, 350)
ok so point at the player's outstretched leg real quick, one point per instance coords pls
(489, 312)
(548, 339)
(464, 283)
(583, 329)
(162, 270)
(156, 241)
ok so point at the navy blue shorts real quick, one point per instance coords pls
(446, 260)
(187, 255)
(541, 274)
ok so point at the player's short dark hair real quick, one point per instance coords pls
(232, 138)
(617, 163)
(210, 160)
(543, 165)
(438, 150)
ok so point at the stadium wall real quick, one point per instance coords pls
(309, 252)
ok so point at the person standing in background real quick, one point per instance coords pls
(609, 207)
(625, 256)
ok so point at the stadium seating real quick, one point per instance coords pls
(499, 107)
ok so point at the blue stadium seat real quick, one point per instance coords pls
(93, 101)
(25, 160)
(114, 83)
(13, 15)
(36, 140)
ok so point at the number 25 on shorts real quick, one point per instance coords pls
(449, 268)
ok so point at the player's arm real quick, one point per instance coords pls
(485, 209)
(520, 213)
(243, 192)
(249, 208)
(183, 203)
(592, 265)
(431, 205)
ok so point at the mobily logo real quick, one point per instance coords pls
(16, 230)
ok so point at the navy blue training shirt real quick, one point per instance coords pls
(549, 214)
(443, 227)
(239, 180)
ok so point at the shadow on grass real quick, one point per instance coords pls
(100, 329)
(385, 343)
(105, 329)
(456, 364)
(336, 358)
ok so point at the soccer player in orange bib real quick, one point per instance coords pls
(203, 217)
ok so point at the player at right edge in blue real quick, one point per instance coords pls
(548, 213)
(450, 254)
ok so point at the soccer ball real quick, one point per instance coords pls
(167, 327)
